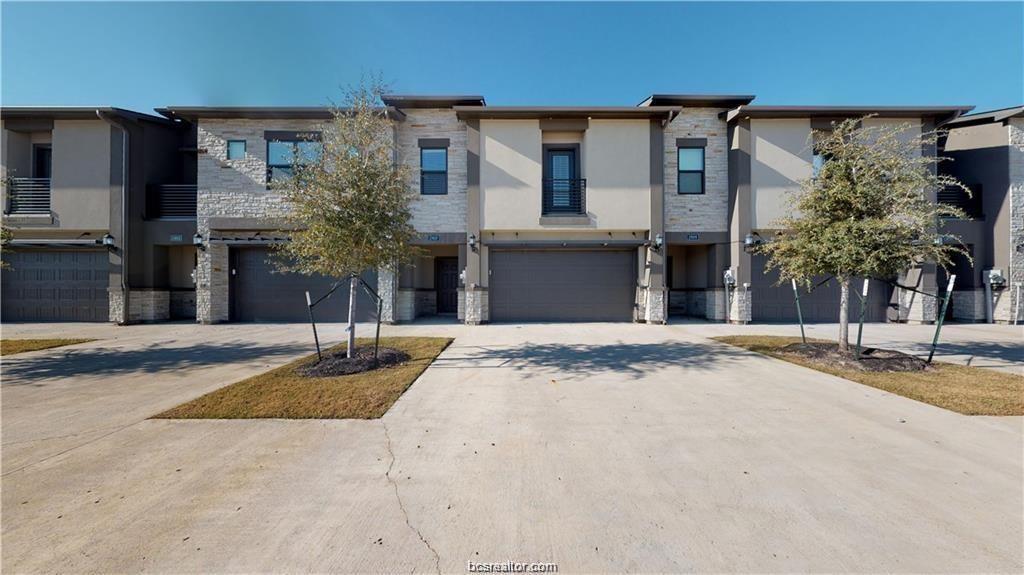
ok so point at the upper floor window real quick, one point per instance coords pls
(433, 167)
(285, 149)
(956, 197)
(690, 179)
(236, 149)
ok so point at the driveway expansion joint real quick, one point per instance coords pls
(401, 505)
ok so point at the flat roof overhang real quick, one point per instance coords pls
(261, 112)
(988, 117)
(698, 100)
(942, 113)
(562, 112)
(72, 113)
(431, 101)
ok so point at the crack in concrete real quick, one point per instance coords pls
(401, 505)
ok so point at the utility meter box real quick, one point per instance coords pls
(995, 278)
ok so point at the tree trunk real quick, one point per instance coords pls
(352, 287)
(844, 314)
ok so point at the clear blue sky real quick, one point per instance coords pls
(141, 55)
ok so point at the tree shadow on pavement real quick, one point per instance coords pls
(631, 360)
(158, 358)
(1003, 353)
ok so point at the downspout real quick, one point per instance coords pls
(118, 123)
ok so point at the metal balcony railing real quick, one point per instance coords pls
(171, 201)
(564, 197)
(28, 196)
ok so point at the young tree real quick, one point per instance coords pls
(866, 212)
(349, 197)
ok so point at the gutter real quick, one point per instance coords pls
(119, 123)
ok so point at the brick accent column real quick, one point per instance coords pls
(212, 277)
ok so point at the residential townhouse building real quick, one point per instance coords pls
(635, 213)
(987, 154)
(101, 205)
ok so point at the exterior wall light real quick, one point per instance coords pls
(472, 242)
(197, 241)
(751, 241)
(659, 241)
(107, 240)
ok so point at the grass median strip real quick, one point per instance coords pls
(284, 393)
(959, 388)
(13, 346)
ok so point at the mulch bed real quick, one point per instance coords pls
(337, 363)
(871, 359)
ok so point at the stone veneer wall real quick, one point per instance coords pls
(1006, 305)
(707, 212)
(715, 304)
(442, 213)
(144, 305)
(475, 306)
(235, 189)
(740, 305)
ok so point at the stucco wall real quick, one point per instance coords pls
(80, 183)
(780, 158)
(510, 174)
(617, 166)
(707, 212)
(614, 159)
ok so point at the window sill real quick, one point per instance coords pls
(566, 220)
(28, 219)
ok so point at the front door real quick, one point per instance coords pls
(42, 161)
(446, 279)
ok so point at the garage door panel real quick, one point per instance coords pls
(259, 292)
(776, 303)
(561, 285)
(56, 285)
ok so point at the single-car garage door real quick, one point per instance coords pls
(562, 285)
(776, 303)
(260, 293)
(56, 285)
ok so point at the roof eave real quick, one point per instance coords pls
(540, 112)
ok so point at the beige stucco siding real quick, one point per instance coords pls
(614, 159)
(617, 166)
(781, 158)
(510, 174)
(80, 183)
(973, 137)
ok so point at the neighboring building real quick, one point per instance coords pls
(630, 213)
(987, 153)
(770, 152)
(101, 203)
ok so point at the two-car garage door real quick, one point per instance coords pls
(55, 285)
(259, 292)
(562, 285)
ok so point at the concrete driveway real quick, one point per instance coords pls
(602, 448)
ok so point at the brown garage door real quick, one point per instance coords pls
(56, 285)
(562, 285)
(776, 303)
(259, 292)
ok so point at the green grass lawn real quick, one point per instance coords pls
(959, 388)
(282, 393)
(13, 346)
